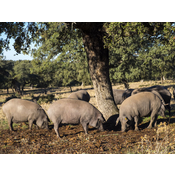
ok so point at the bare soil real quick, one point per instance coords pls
(73, 140)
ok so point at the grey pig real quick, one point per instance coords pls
(72, 111)
(121, 95)
(80, 95)
(140, 105)
(165, 94)
(18, 110)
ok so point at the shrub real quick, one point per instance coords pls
(46, 99)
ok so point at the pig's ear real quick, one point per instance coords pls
(101, 118)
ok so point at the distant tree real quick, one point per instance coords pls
(45, 72)
(22, 72)
(15, 84)
(33, 79)
(6, 69)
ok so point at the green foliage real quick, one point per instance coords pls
(6, 73)
(46, 99)
(63, 51)
(140, 51)
(44, 70)
(22, 33)
(136, 51)
(22, 71)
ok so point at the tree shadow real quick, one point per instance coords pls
(109, 125)
(162, 120)
(169, 86)
(54, 91)
(111, 122)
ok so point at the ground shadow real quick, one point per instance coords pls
(53, 91)
(169, 86)
(111, 122)
(166, 120)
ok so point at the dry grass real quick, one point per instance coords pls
(162, 143)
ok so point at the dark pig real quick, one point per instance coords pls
(140, 105)
(18, 110)
(80, 95)
(121, 95)
(72, 111)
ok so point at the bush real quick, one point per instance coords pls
(46, 99)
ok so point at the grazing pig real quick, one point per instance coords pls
(80, 95)
(166, 95)
(72, 111)
(140, 105)
(121, 95)
(18, 110)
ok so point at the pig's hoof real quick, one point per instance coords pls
(58, 137)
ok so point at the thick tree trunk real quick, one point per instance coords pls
(98, 60)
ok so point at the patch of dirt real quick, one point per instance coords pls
(73, 141)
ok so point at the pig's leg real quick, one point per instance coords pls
(10, 123)
(30, 124)
(153, 114)
(155, 121)
(56, 130)
(56, 126)
(85, 127)
(136, 119)
(36, 126)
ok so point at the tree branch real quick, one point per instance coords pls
(86, 26)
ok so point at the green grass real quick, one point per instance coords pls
(147, 119)
(4, 125)
(46, 98)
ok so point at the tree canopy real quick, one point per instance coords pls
(136, 50)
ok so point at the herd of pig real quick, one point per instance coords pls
(76, 109)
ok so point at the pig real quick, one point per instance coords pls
(166, 95)
(73, 111)
(80, 95)
(121, 95)
(19, 110)
(140, 105)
